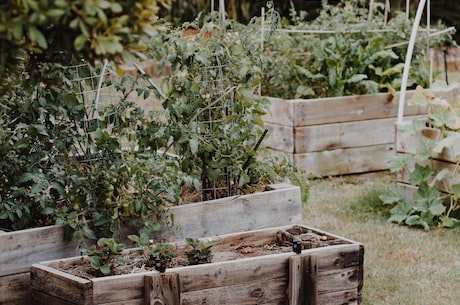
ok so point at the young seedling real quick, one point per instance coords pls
(101, 255)
(201, 251)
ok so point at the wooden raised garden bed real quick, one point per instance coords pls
(255, 267)
(279, 206)
(342, 135)
(20, 249)
(407, 144)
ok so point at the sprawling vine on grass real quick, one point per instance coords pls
(435, 201)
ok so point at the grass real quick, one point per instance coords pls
(402, 265)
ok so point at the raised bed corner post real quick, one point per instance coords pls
(302, 280)
(162, 289)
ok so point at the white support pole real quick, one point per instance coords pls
(410, 49)
(428, 32)
(222, 10)
(387, 11)
(371, 10)
(407, 9)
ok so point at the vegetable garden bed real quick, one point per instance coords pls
(336, 136)
(279, 205)
(328, 270)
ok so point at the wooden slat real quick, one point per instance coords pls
(60, 285)
(238, 213)
(302, 280)
(15, 289)
(41, 298)
(281, 112)
(162, 289)
(203, 277)
(307, 112)
(339, 135)
(280, 137)
(125, 289)
(344, 297)
(344, 161)
(20, 249)
(263, 292)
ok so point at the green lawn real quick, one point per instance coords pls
(402, 265)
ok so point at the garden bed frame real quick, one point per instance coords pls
(19, 250)
(329, 275)
(340, 135)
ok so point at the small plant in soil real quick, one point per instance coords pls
(102, 255)
(200, 252)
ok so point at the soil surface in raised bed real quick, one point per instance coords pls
(229, 248)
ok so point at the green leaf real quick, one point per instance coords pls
(36, 36)
(95, 261)
(437, 209)
(356, 78)
(416, 220)
(447, 222)
(80, 41)
(193, 146)
(455, 190)
(105, 269)
(89, 233)
(425, 148)
(400, 212)
(399, 162)
(393, 195)
(420, 174)
(448, 142)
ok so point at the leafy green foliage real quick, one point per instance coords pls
(354, 58)
(214, 117)
(200, 252)
(436, 199)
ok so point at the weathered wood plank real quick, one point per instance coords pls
(120, 288)
(302, 280)
(41, 298)
(15, 289)
(343, 161)
(281, 112)
(343, 297)
(337, 279)
(262, 292)
(307, 112)
(280, 137)
(162, 289)
(20, 249)
(238, 213)
(60, 285)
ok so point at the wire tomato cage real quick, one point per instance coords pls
(95, 87)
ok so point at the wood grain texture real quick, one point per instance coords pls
(343, 161)
(162, 289)
(332, 271)
(20, 249)
(278, 207)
